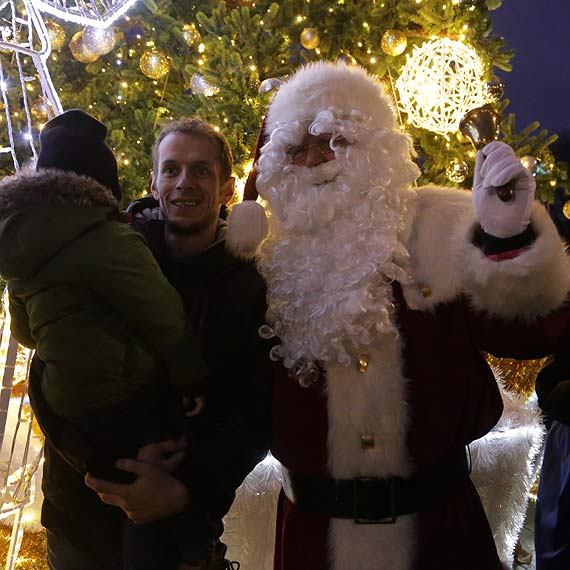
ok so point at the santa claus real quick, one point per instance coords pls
(381, 297)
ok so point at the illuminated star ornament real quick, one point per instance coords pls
(440, 82)
(97, 13)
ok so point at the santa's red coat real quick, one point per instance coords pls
(449, 398)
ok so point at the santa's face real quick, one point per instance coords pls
(314, 149)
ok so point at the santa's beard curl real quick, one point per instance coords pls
(334, 244)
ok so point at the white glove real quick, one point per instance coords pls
(495, 165)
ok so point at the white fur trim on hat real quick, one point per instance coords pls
(323, 85)
(247, 226)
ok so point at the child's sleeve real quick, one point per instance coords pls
(120, 268)
(20, 322)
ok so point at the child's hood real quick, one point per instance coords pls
(41, 212)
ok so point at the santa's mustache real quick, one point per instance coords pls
(314, 176)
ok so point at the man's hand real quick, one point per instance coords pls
(167, 455)
(496, 165)
(153, 496)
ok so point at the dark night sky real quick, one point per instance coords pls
(539, 84)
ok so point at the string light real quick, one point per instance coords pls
(86, 12)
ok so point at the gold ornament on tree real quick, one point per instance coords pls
(310, 38)
(566, 209)
(154, 64)
(201, 86)
(269, 85)
(441, 81)
(190, 34)
(347, 58)
(80, 51)
(99, 40)
(530, 163)
(56, 35)
(457, 170)
(394, 42)
(39, 109)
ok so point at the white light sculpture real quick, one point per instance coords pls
(98, 13)
(440, 82)
(23, 36)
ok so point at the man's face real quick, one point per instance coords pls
(187, 183)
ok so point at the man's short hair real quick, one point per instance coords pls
(197, 128)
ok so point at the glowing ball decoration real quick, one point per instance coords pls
(56, 35)
(80, 51)
(99, 40)
(440, 82)
(154, 64)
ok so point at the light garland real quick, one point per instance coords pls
(96, 13)
(440, 82)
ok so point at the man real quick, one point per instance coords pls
(224, 298)
(381, 298)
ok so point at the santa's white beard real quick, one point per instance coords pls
(334, 247)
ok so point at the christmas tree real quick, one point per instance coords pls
(222, 61)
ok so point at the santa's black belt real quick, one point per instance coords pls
(369, 500)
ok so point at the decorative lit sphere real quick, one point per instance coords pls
(56, 35)
(457, 170)
(310, 38)
(566, 209)
(79, 49)
(530, 163)
(441, 81)
(99, 40)
(269, 84)
(394, 42)
(496, 90)
(200, 86)
(347, 59)
(190, 34)
(154, 64)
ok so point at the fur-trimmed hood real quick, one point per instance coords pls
(40, 212)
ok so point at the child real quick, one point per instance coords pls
(87, 294)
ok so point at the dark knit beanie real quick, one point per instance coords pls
(75, 141)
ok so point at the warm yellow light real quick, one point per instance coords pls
(126, 162)
(252, 68)
(201, 48)
(124, 84)
(440, 82)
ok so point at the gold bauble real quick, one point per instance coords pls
(347, 59)
(39, 110)
(56, 35)
(394, 42)
(530, 163)
(457, 170)
(310, 38)
(79, 49)
(190, 34)
(154, 64)
(566, 209)
(99, 40)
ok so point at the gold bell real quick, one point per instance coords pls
(363, 360)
